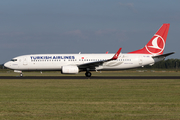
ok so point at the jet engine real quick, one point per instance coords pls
(70, 70)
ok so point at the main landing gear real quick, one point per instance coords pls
(88, 74)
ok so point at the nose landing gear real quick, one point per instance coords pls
(21, 74)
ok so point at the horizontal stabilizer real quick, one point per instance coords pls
(164, 55)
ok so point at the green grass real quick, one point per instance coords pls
(132, 72)
(89, 99)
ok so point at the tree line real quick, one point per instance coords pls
(165, 64)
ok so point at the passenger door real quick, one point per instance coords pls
(25, 62)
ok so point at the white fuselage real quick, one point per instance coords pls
(57, 61)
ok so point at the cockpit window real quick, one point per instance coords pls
(13, 60)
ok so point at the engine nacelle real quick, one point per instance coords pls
(17, 71)
(70, 69)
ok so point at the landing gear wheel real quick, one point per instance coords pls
(88, 74)
(21, 75)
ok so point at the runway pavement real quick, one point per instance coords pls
(93, 77)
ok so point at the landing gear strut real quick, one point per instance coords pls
(21, 74)
(88, 74)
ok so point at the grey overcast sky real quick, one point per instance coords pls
(86, 26)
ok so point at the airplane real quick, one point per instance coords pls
(74, 63)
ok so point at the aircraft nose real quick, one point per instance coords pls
(7, 64)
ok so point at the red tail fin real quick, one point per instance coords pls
(157, 43)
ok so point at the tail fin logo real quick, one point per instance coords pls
(156, 45)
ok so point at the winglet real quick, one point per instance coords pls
(116, 55)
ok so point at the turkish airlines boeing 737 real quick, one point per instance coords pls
(74, 63)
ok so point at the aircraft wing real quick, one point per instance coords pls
(92, 65)
(163, 55)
